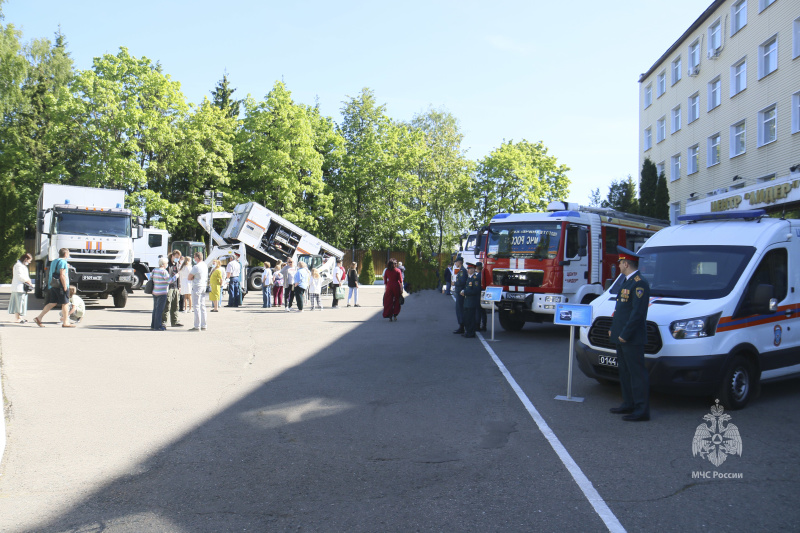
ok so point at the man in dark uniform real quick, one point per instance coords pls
(480, 317)
(629, 333)
(472, 297)
(458, 286)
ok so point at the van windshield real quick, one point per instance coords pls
(694, 272)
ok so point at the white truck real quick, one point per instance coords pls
(98, 232)
(256, 232)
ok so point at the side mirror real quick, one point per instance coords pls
(139, 232)
(764, 300)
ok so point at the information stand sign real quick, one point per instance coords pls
(492, 295)
(572, 315)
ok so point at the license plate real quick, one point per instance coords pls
(91, 278)
(608, 360)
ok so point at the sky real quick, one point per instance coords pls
(565, 73)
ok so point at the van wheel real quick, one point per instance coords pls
(739, 384)
(509, 322)
(120, 298)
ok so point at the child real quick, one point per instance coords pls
(76, 306)
(314, 289)
(277, 286)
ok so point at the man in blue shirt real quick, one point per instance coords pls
(58, 286)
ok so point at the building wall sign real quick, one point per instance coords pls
(754, 196)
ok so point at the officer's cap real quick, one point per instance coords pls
(470, 265)
(628, 255)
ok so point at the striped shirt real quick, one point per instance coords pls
(160, 281)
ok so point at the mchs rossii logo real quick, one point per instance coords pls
(715, 440)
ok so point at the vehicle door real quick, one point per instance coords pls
(576, 258)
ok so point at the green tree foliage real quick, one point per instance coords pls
(222, 98)
(595, 199)
(278, 163)
(518, 177)
(446, 180)
(367, 275)
(647, 188)
(622, 196)
(661, 209)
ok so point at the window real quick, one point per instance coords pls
(714, 93)
(660, 169)
(694, 107)
(648, 139)
(154, 240)
(767, 120)
(676, 119)
(768, 57)
(764, 4)
(738, 77)
(694, 57)
(661, 83)
(796, 38)
(674, 212)
(738, 16)
(738, 139)
(713, 150)
(661, 129)
(691, 159)
(675, 167)
(714, 38)
(796, 112)
(773, 271)
(676, 71)
(648, 96)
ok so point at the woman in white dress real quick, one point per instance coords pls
(186, 285)
(18, 302)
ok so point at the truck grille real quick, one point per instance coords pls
(519, 278)
(91, 286)
(598, 335)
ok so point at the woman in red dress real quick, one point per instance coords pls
(393, 290)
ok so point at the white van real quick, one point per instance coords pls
(724, 296)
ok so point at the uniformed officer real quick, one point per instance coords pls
(480, 317)
(472, 297)
(629, 333)
(458, 286)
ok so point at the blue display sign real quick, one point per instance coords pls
(493, 294)
(573, 315)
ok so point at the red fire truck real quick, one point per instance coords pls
(566, 255)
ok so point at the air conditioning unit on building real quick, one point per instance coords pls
(694, 71)
(713, 54)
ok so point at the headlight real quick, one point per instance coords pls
(553, 299)
(695, 328)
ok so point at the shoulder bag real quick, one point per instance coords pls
(149, 286)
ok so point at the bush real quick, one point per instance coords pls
(367, 275)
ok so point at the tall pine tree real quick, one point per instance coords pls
(647, 188)
(661, 207)
(221, 97)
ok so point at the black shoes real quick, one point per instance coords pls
(636, 418)
(621, 410)
(459, 331)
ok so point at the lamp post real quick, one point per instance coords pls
(210, 198)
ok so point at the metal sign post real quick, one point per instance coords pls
(490, 296)
(572, 315)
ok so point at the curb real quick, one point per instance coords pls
(2, 420)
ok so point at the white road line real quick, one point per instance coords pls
(580, 478)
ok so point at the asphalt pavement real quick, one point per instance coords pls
(339, 420)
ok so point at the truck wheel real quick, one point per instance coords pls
(120, 298)
(739, 384)
(39, 286)
(254, 281)
(138, 279)
(510, 322)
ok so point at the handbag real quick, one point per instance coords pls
(149, 286)
(339, 293)
(55, 282)
(402, 299)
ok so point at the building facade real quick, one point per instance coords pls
(720, 110)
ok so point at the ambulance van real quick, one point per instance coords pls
(724, 297)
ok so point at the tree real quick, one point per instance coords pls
(445, 180)
(518, 177)
(594, 198)
(647, 188)
(278, 164)
(622, 196)
(367, 276)
(222, 98)
(661, 208)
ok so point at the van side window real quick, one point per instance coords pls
(572, 242)
(154, 240)
(773, 270)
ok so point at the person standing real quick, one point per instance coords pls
(177, 259)
(314, 289)
(392, 290)
(337, 279)
(217, 275)
(58, 285)
(448, 278)
(20, 280)
(161, 280)
(277, 285)
(185, 286)
(233, 271)
(173, 292)
(199, 278)
(266, 286)
(301, 284)
(472, 296)
(288, 273)
(629, 334)
(458, 287)
(480, 319)
(352, 284)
